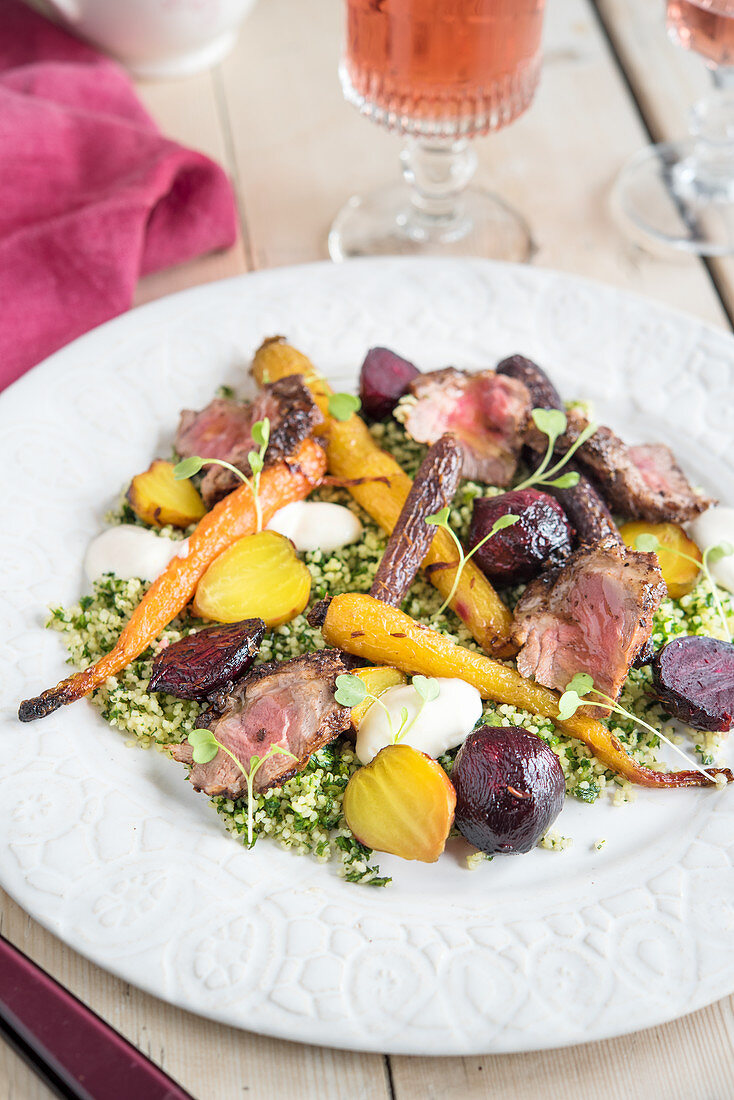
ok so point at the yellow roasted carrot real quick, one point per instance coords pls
(352, 453)
(230, 519)
(382, 634)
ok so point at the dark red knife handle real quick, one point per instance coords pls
(84, 1053)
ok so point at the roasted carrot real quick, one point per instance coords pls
(381, 488)
(386, 636)
(230, 519)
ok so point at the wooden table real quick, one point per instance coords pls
(272, 113)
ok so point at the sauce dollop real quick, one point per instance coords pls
(129, 551)
(316, 525)
(444, 723)
(709, 529)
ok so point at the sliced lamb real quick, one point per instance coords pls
(223, 430)
(485, 411)
(289, 704)
(643, 482)
(593, 615)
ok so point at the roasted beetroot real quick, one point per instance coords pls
(202, 663)
(694, 680)
(541, 536)
(509, 789)
(383, 380)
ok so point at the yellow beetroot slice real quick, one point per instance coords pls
(679, 573)
(257, 577)
(159, 499)
(403, 803)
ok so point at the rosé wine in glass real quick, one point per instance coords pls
(450, 66)
(704, 26)
(439, 72)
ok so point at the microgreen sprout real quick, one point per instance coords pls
(651, 544)
(342, 405)
(351, 690)
(206, 746)
(427, 689)
(261, 437)
(577, 694)
(441, 519)
(553, 423)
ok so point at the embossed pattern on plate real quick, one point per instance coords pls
(111, 849)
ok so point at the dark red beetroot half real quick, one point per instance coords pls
(541, 536)
(509, 789)
(202, 663)
(694, 680)
(383, 380)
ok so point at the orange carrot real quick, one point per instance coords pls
(230, 519)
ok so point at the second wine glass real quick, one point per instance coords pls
(440, 73)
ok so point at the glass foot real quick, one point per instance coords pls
(669, 196)
(386, 222)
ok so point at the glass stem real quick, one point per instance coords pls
(437, 173)
(707, 174)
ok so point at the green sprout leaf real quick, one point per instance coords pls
(568, 704)
(187, 467)
(500, 524)
(350, 690)
(716, 553)
(204, 744)
(581, 683)
(342, 405)
(256, 461)
(427, 688)
(551, 422)
(565, 481)
(647, 544)
(440, 519)
(261, 433)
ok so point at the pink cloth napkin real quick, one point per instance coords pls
(91, 194)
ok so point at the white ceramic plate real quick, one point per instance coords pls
(112, 850)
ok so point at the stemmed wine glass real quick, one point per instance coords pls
(681, 194)
(439, 73)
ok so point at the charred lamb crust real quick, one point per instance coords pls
(486, 412)
(297, 698)
(317, 615)
(587, 511)
(643, 482)
(293, 415)
(555, 620)
(433, 488)
(583, 504)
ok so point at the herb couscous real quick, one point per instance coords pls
(305, 813)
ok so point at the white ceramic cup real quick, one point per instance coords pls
(157, 38)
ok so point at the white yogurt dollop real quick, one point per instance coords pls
(316, 525)
(709, 529)
(444, 723)
(129, 551)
